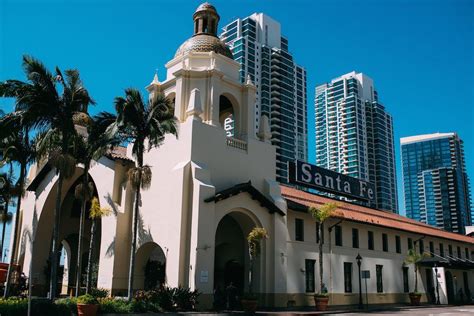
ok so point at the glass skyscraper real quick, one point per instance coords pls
(354, 135)
(435, 182)
(257, 44)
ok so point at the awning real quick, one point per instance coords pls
(250, 189)
(447, 262)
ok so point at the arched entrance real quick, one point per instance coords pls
(227, 117)
(231, 260)
(68, 234)
(150, 267)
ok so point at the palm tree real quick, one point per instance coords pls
(89, 146)
(414, 258)
(144, 124)
(320, 215)
(7, 192)
(254, 239)
(20, 150)
(45, 108)
(96, 212)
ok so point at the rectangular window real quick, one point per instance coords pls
(458, 251)
(348, 277)
(466, 253)
(450, 250)
(410, 243)
(441, 249)
(384, 242)
(422, 246)
(378, 274)
(299, 229)
(338, 233)
(431, 248)
(405, 280)
(309, 275)
(370, 240)
(398, 246)
(355, 238)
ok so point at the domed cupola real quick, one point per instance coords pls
(205, 37)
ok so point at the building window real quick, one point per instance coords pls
(338, 232)
(309, 275)
(398, 246)
(466, 253)
(458, 250)
(371, 240)
(450, 250)
(384, 242)
(422, 247)
(406, 288)
(299, 229)
(410, 243)
(431, 249)
(441, 249)
(348, 277)
(355, 238)
(378, 273)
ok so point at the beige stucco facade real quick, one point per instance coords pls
(203, 241)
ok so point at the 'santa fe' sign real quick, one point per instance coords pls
(311, 176)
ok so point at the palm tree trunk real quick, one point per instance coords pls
(134, 242)
(53, 284)
(89, 259)
(320, 259)
(416, 279)
(135, 228)
(250, 274)
(85, 188)
(5, 214)
(21, 181)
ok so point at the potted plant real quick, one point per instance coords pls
(87, 305)
(249, 300)
(414, 258)
(320, 215)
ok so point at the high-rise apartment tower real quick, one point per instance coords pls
(257, 44)
(435, 183)
(354, 135)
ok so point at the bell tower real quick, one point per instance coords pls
(206, 20)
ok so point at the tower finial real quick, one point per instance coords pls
(249, 80)
(155, 77)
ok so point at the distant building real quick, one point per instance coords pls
(435, 183)
(354, 135)
(257, 44)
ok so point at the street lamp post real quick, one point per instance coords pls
(437, 285)
(359, 261)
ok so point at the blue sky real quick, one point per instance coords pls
(420, 53)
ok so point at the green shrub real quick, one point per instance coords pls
(185, 299)
(87, 299)
(99, 292)
(13, 306)
(111, 305)
(66, 306)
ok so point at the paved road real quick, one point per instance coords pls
(443, 311)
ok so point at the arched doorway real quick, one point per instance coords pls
(227, 116)
(231, 260)
(68, 232)
(449, 287)
(150, 267)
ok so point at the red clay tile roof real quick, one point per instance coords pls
(371, 216)
(119, 152)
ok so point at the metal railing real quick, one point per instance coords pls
(236, 143)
